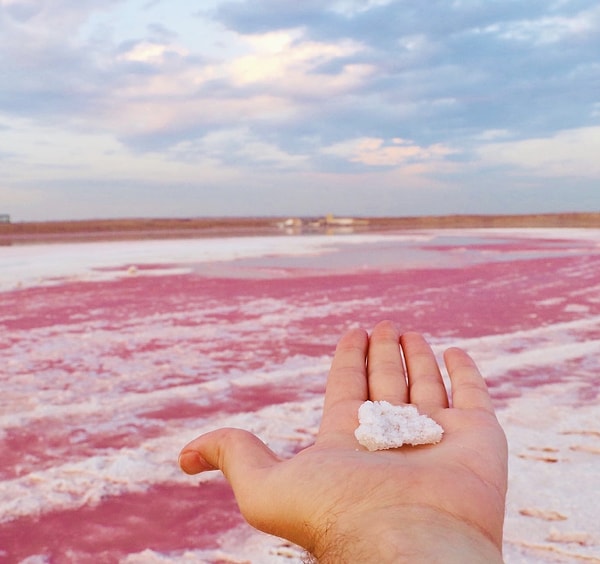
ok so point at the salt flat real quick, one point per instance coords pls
(116, 354)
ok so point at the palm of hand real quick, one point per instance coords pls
(463, 476)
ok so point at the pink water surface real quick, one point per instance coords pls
(103, 380)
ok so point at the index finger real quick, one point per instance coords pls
(347, 382)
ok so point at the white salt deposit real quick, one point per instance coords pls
(43, 265)
(383, 426)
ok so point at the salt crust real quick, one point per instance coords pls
(383, 425)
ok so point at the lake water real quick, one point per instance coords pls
(116, 354)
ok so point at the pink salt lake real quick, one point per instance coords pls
(114, 355)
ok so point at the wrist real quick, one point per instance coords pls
(407, 534)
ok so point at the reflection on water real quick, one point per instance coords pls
(422, 250)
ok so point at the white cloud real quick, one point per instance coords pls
(376, 152)
(21, 10)
(42, 153)
(353, 7)
(239, 146)
(572, 152)
(153, 53)
(277, 74)
(259, 152)
(546, 30)
(285, 61)
(493, 134)
(149, 116)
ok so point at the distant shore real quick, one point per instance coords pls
(160, 228)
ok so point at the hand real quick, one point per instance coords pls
(345, 504)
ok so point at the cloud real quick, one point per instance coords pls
(271, 83)
(284, 61)
(237, 147)
(569, 153)
(20, 10)
(383, 68)
(48, 71)
(546, 30)
(153, 53)
(375, 152)
(498, 62)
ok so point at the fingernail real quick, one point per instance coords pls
(192, 463)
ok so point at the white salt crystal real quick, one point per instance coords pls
(383, 426)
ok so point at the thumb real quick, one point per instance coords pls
(235, 452)
(243, 458)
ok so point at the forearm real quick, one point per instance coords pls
(407, 535)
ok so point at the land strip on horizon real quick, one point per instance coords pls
(147, 228)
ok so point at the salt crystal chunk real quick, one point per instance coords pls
(383, 426)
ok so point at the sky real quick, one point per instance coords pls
(171, 108)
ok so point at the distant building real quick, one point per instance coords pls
(292, 222)
(332, 221)
(4, 218)
(327, 224)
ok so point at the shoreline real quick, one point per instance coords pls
(168, 228)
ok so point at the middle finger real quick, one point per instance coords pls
(385, 368)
